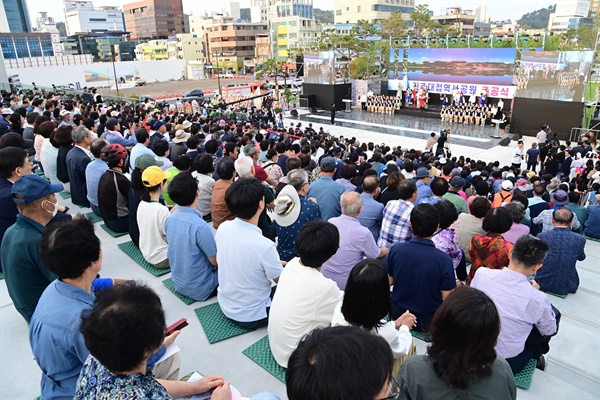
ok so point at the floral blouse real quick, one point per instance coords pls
(96, 382)
(447, 241)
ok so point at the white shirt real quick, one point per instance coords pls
(400, 340)
(87, 152)
(518, 154)
(205, 186)
(151, 217)
(245, 271)
(304, 300)
(541, 136)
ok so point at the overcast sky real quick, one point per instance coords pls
(496, 9)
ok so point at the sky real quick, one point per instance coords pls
(496, 9)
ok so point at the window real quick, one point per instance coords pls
(358, 9)
(338, 12)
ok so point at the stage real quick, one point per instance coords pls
(413, 126)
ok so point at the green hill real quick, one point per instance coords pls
(537, 19)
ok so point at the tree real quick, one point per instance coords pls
(421, 19)
(271, 67)
(62, 29)
(323, 16)
(358, 42)
(394, 26)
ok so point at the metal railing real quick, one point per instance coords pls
(30, 91)
(578, 133)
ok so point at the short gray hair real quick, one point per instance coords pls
(80, 133)
(516, 211)
(351, 203)
(243, 166)
(250, 150)
(297, 178)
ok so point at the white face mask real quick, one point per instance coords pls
(55, 211)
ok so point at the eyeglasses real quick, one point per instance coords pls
(394, 390)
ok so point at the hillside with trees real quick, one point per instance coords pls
(537, 19)
(323, 16)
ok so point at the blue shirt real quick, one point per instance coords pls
(423, 191)
(592, 224)
(245, 273)
(371, 215)
(421, 272)
(112, 139)
(57, 344)
(191, 243)
(286, 236)
(138, 150)
(558, 274)
(327, 192)
(93, 172)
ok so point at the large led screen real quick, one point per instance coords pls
(553, 75)
(471, 71)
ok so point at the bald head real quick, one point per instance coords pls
(351, 203)
(562, 217)
(370, 184)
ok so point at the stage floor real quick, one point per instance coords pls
(413, 126)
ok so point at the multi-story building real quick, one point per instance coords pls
(567, 12)
(40, 21)
(82, 16)
(259, 11)
(49, 26)
(263, 51)
(504, 27)
(14, 17)
(154, 19)
(292, 26)
(352, 11)
(463, 21)
(125, 51)
(185, 46)
(152, 50)
(26, 45)
(594, 8)
(230, 46)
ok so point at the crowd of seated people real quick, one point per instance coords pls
(275, 223)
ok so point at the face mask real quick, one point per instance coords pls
(55, 211)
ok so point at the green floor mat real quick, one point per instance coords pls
(216, 325)
(523, 379)
(112, 233)
(94, 217)
(420, 335)
(591, 238)
(132, 251)
(65, 195)
(562, 296)
(260, 353)
(171, 286)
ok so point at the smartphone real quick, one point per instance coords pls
(182, 323)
